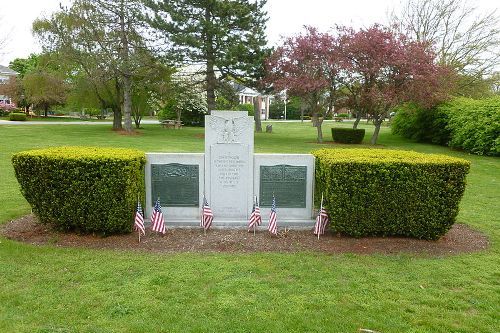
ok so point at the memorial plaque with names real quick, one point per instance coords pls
(176, 184)
(287, 182)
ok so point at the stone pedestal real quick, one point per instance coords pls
(229, 147)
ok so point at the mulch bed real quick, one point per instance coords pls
(460, 239)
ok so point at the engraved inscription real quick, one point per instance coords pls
(228, 169)
(287, 182)
(176, 184)
(229, 180)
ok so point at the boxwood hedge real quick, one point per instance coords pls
(348, 135)
(83, 189)
(17, 116)
(372, 192)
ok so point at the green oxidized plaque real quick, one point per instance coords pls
(176, 184)
(287, 182)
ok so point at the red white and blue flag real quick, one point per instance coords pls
(139, 220)
(157, 221)
(321, 220)
(206, 215)
(273, 219)
(255, 218)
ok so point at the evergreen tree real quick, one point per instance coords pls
(214, 39)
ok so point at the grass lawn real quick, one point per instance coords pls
(49, 289)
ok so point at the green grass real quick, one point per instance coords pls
(50, 289)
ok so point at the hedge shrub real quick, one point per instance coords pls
(17, 116)
(372, 192)
(463, 123)
(475, 125)
(348, 135)
(83, 189)
(424, 125)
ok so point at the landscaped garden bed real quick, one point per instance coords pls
(460, 239)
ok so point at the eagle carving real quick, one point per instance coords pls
(228, 130)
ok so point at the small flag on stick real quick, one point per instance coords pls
(157, 221)
(139, 221)
(255, 218)
(206, 216)
(321, 220)
(273, 219)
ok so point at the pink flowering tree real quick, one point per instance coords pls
(385, 69)
(308, 65)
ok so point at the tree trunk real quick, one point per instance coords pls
(127, 80)
(46, 111)
(210, 56)
(301, 113)
(127, 103)
(320, 131)
(378, 123)
(136, 114)
(117, 118)
(358, 119)
(256, 115)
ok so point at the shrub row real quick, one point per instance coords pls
(472, 125)
(372, 192)
(83, 189)
(348, 135)
(17, 116)
(423, 125)
(475, 125)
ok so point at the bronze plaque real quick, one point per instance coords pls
(176, 184)
(287, 182)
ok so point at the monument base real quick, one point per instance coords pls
(294, 224)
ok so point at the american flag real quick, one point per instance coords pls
(273, 226)
(139, 220)
(206, 215)
(321, 220)
(255, 217)
(157, 221)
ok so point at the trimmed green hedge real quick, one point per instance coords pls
(348, 135)
(464, 123)
(474, 125)
(372, 192)
(83, 189)
(17, 116)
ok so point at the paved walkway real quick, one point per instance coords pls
(42, 122)
(145, 122)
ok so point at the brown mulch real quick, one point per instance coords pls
(460, 239)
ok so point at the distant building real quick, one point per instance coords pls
(249, 96)
(5, 74)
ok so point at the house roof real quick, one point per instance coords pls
(7, 71)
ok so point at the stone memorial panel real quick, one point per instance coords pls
(288, 183)
(177, 185)
(177, 178)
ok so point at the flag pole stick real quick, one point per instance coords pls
(320, 217)
(139, 230)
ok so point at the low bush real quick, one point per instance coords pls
(420, 124)
(372, 192)
(83, 189)
(17, 116)
(464, 123)
(474, 125)
(343, 115)
(348, 135)
(245, 107)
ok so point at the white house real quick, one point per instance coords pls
(249, 96)
(5, 74)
